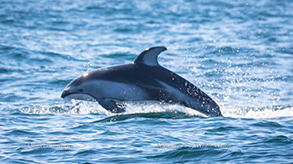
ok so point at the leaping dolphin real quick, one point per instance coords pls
(142, 80)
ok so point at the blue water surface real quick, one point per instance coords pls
(238, 52)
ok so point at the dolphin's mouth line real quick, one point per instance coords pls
(78, 96)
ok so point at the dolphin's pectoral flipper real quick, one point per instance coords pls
(110, 105)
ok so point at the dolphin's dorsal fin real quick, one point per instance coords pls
(150, 56)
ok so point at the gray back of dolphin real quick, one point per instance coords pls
(142, 80)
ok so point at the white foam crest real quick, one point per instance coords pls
(158, 107)
(132, 108)
(84, 107)
(76, 108)
(259, 114)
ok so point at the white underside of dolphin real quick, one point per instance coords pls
(142, 80)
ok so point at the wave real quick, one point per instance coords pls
(260, 113)
(156, 110)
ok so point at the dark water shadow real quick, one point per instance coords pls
(164, 115)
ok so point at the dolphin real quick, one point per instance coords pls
(142, 80)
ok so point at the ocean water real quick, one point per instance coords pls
(238, 52)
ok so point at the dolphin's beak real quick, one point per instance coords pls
(65, 93)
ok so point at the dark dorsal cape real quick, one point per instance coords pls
(202, 102)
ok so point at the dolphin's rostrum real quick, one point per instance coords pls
(142, 80)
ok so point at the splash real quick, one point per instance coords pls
(84, 107)
(260, 113)
(145, 107)
(159, 107)
(75, 108)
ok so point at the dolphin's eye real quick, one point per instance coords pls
(80, 90)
